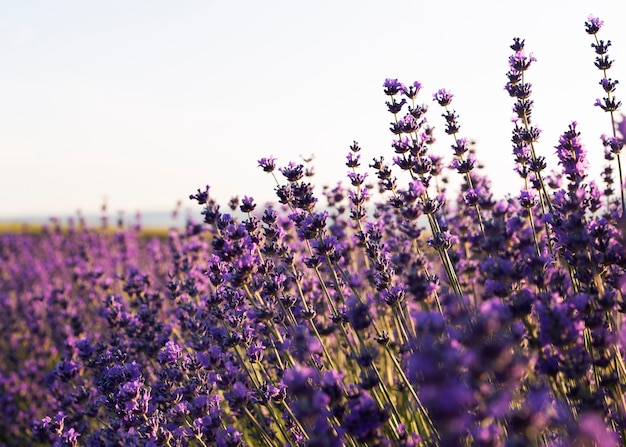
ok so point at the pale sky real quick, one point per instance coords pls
(144, 101)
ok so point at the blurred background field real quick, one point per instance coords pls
(149, 224)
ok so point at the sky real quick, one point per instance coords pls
(138, 103)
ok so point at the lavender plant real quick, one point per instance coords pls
(398, 313)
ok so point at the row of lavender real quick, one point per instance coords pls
(395, 316)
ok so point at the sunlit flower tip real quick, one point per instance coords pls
(292, 172)
(443, 97)
(593, 24)
(391, 86)
(518, 44)
(201, 196)
(268, 164)
(412, 90)
(354, 147)
(247, 204)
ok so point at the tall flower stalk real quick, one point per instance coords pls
(464, 162)
(412, 147)
(609, 102)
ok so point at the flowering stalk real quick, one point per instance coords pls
(609, 103)
(463, 162)
(327, 249)
(525, 137)
(412, 146)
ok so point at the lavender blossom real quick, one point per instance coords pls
(379, 315)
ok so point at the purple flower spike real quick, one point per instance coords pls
(292, 172)
(443, 97)
(411, 91)
(268, 164)
(572, 154)
(202, 196)
(407, 311)
(247, 204)
(392, 86)
(593, 24)
(527, 199)
(518, 44)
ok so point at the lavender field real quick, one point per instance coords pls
(392, 310)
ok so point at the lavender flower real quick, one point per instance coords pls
(380, 317)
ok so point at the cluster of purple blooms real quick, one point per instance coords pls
(392, 315)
